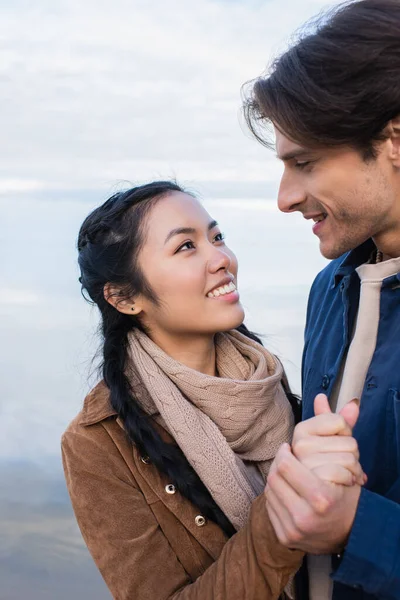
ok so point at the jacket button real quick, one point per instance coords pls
(200, 521)
(145, 460)
(170, 489)
(325, 382)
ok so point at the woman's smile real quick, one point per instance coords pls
(225, 291)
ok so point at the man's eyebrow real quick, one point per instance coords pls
(293, 154)
(187, 230)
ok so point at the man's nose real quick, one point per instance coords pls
(291, 194)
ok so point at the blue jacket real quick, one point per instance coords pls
(370, 567)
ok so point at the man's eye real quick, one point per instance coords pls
(219, 237)
(302, 165)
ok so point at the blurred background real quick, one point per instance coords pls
(95, 97)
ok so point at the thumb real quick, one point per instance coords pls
(351, 411)
(321, 405)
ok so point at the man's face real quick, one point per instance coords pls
(348, 199)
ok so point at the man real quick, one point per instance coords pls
(334, 102)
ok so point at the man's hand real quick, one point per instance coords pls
(325, 441)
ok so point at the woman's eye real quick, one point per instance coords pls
(219, 237)
(186, 246)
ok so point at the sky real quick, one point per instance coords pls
(95, 97)
(99, 92)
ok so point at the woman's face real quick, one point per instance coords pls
(190, 269)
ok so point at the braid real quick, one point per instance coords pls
(168, 458)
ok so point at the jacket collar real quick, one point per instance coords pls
(96, 406)
(349, 262)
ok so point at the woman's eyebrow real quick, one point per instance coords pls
(187, 230)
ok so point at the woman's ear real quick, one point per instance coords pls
(116, 297)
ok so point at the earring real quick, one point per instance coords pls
(133, 307)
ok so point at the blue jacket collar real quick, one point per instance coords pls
(349, 262)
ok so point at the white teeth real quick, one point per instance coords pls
(221, 291)
(320, 218)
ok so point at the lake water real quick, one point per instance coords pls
(48, 342)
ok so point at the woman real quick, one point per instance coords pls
(167, 461)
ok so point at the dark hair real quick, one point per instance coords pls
(109, 242)
(338, 85)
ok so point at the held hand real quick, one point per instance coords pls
(350, 412)
(306, 512)
(324, 444)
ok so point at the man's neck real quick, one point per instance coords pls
(387, 257)
(389, 242)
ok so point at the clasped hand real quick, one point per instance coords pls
(313, 487)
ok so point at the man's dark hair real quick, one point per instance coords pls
(338, 85)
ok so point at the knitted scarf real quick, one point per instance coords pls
(229, 427)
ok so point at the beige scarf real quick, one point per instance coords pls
(229, 427)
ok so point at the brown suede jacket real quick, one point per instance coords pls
(148, 541)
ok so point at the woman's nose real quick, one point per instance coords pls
(219, 259)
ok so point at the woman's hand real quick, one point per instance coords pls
(308, 513)
(324, 444)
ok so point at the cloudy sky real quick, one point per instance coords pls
(95, 92)
(96, 95)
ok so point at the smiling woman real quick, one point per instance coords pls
(167, 461)
(187, 268)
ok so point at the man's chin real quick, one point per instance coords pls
(332, 252)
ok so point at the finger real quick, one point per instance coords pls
(314, 444)
(303, 482)
(284, 513)
(278, 522)
(342, 459)
(335, 473)
(350, 412)
(285, 500)
(325, 424)
(294, 514)
(281, 449)
(321, 405)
